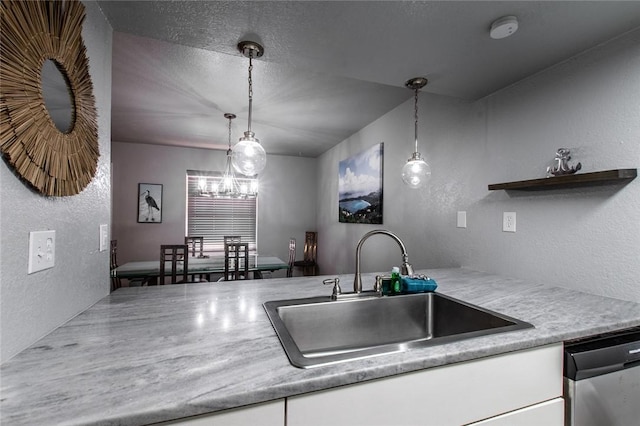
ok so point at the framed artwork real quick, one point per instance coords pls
(149, 203)
(360, 187)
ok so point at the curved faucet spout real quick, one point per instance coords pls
(406, 268)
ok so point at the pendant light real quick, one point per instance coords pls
(416, 172)
(249, 157)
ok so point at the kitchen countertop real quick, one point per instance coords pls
(151, 354)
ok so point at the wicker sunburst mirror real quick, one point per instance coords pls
(54, 162)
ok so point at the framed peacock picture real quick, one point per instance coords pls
(149, 203)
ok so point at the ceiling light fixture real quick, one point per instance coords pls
(503, 27)
(416, 171)
(249, 157)
(229, 186)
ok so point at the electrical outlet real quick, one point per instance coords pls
(462, 219)
(104, 237)
(42, 250)
(509, 222)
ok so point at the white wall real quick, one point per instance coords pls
(587, 239)
(286, 201)
(33, 305)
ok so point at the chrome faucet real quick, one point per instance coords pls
(406, 268)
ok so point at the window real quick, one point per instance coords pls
(213, 217)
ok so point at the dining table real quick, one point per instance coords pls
(150, 269)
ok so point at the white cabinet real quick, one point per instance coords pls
(449, 395)
(523, 388)
(267, 414)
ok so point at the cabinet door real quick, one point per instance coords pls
(450, 395)
(549, 413)
(267, 414)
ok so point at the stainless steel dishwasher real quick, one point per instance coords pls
(602, 380)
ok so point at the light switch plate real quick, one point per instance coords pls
(104, 237)
(462, 219)
(42, 250)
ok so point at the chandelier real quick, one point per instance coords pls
(229, 185)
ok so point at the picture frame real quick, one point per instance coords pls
(360, 180)
(149, 203)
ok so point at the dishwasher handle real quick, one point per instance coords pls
(601, 356)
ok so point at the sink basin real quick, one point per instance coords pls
(318, 331)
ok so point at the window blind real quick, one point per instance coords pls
(213, 218)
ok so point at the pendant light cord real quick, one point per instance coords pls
(250, 89)
(416, 117)
(230, 133)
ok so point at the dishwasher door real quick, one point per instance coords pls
(602, 380)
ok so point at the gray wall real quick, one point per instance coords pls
(286, 201)
(586, 239)
(33, 305)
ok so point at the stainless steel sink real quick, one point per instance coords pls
(318, 331)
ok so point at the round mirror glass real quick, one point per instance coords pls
(58, 97)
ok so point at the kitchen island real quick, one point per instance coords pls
(151, 354)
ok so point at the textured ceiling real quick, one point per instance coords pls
(330, 68)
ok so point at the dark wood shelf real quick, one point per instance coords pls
(605, 177)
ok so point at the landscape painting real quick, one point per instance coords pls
(360, 187)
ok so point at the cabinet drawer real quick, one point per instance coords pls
(453, 394)
(548, 413)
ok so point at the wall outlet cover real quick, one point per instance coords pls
(509, 222)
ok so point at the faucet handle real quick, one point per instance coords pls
(377, 287)
(336, 286)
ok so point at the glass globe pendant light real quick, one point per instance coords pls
(416, 172)
(249, 157)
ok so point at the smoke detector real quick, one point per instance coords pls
(504, 27)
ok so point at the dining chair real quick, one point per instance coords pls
(292, 256)
(177, 255)
(236, 261)
(309, 263)
(196, 247)
(116, 283)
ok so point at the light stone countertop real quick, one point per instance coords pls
(149, 354)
